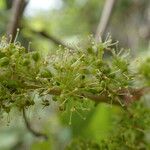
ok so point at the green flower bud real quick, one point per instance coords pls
(4, 61)
(25, 62)
(2, 54)
(35, 56)
(46, 74)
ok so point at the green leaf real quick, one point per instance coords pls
(45, 145)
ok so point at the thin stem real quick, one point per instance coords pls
(53, 39)
(104, 19)
(17, 9)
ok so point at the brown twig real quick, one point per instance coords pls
(53, 39)
(127, 96)
(17, 9)
(28, 126)
(131, 95)
(104, 19)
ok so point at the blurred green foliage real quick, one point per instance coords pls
(104, 126)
